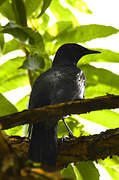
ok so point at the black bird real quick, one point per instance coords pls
(62, 83)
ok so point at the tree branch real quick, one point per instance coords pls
(84, 148)
(57, 111)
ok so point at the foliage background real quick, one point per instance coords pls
(36, 28)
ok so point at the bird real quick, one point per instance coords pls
(63, 82)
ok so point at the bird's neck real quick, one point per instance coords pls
(63, 60)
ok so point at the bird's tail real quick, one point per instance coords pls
(43, 146)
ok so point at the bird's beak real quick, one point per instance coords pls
(93, 51)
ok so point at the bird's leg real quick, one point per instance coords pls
(30, 130)
(69, 130)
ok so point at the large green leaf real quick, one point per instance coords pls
(81, 171)
(19, 12)
(107, 118)
(80, 5)
(105, 56)
(11, 76)
(11, 45)
(7, 11)
(58, 28)
(6, 107)
(51, 34)
(112, 166)
(23, 103)
(88, 170)
(10, 68)
(85, 33)
(25, 35)
(41, 23)
(16, 131)
(100, 81)
(71, 172)
(61, 13)
(14, 82)
(32, 6)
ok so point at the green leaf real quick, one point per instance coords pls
(105, 56)
(46, 4)
(25, 35)
(80, 5)
(61, 13)
(11, 45)
(6, 107)
(85, 33)
(71, 172)
(81, 171)
(16, 131)
(107, 118)
(6, 10)
(11, 76)
(112, 166)
(88, 170)
(41, 23)
(32, 6)
(59, 28)
(14, 82)
(100, 81)
(19, 12)
(23, 103)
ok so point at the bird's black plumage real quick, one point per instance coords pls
(62, 83)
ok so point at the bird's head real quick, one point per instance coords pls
(69, 54)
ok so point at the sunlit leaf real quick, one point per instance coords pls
(81, 171)
(23, 103)
(14, 82)
(32, 6)
(45, 5)
(105, 56)
(80, 5)
(112, 166)
(61, 13)
(16, 131)
(6, 10)
(88, 170)
(107, 118)
(6, 107)
(71, 172)
(24, 35)
(19, 12)
(85, 33)
(59, 28)
(11, 76)
(100, 81)
(11, 45)
(41, 23)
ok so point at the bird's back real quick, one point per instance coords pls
(58, 84)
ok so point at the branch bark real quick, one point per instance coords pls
(84, 148)
(57, 111)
